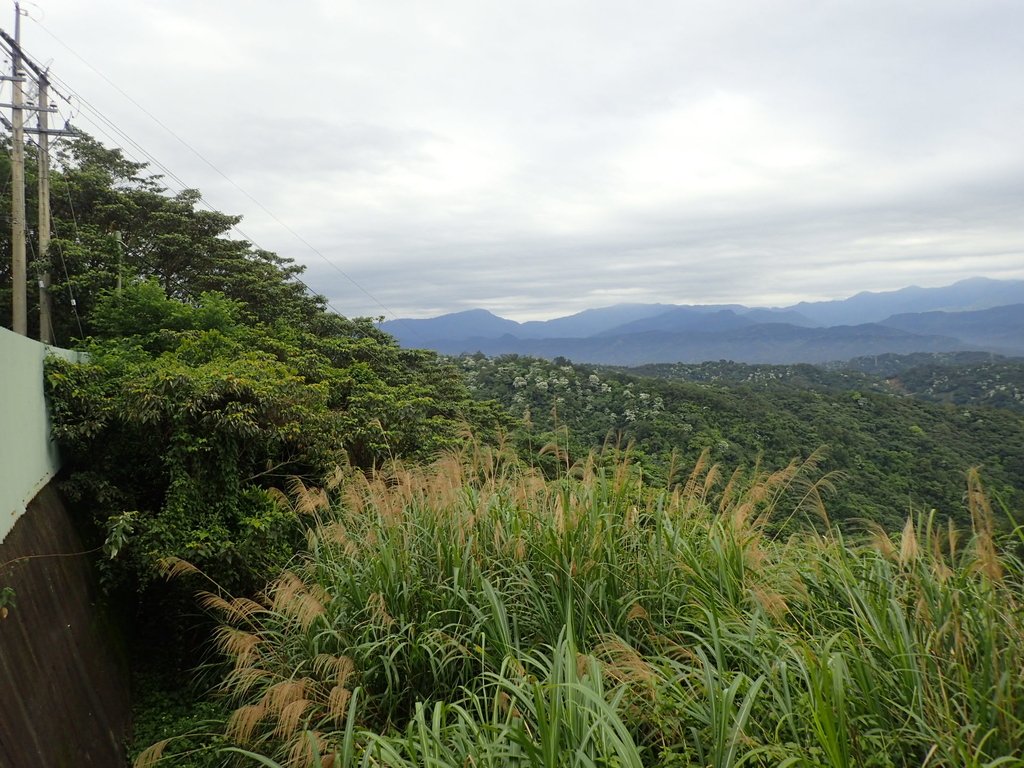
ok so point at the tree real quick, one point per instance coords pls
(186, 415)
(97, 192)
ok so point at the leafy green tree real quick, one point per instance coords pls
(97, 192)
(185, 416)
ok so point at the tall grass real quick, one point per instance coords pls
(474, 614)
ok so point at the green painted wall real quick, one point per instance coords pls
(28, 457)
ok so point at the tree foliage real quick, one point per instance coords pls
(213, 376)
(97, 193)
(891, 452)
(186, 416)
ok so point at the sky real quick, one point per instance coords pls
(541, 157)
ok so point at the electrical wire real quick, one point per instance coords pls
(217, 170)
(117, 137)
(107, 126)
(67, 276)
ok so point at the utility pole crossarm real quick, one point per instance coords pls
(31, 107)
(15, 44)
(51, 132)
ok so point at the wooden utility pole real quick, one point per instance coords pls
(19, 288)
(19, 281)
(45, 300)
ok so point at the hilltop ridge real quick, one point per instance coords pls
(978, 314)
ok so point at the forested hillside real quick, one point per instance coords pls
(893, 453)
(963, 378)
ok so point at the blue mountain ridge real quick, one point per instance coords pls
(976, 314)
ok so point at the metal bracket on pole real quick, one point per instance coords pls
(51, 132)
(31, 107)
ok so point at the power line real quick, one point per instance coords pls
(217, 170)
(101, 123)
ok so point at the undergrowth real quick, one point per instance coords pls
(475, 614)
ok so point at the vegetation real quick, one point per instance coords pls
(889, 365)
(726, 372)
(523, 600)
(97, 193)
(894, 453)
(213, 377)
(474, 613)
(995, 384)
(186, 419)
(957, 378)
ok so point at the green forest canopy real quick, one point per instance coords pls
(892, 453)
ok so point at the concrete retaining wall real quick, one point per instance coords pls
(64, 682)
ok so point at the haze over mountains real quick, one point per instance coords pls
(975, 314)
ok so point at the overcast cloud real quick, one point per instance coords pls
(540, 157)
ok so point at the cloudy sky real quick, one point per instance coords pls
(538, 157)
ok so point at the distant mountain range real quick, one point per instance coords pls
(975, 314)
